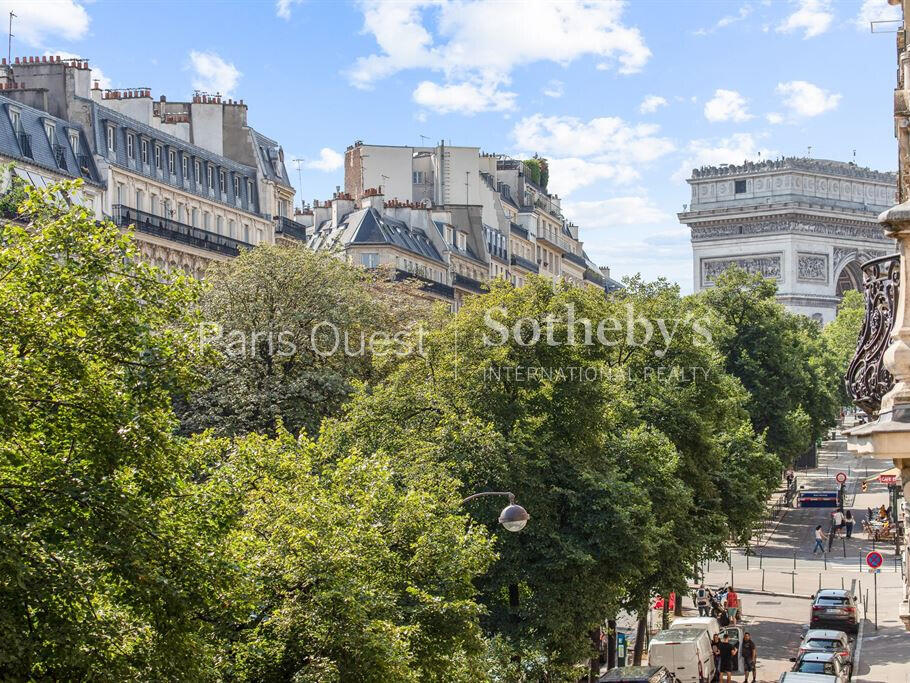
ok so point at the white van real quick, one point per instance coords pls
(685, 652)
(708, 623)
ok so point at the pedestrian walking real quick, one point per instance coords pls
(732, 603)
(715, 650)
(749, 658)
(819, 540)
(837, 519)
(703, 601)
(727, 657)
(850, 522)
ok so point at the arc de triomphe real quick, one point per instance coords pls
(807, 223)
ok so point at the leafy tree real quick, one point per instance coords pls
(791, 398)
(841, 336)
(14, 193)
(292, 329)
(97, 578)
(349, 567)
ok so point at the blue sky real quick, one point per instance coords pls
(622, 98)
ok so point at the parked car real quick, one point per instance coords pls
(796, 677)
(834, 607)
(829, 663)
(823, 640)
(817, 499)
(685, 652)
(637, 674)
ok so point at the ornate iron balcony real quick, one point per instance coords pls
(469, 283)
(175, 231)
(867, 379)
(290, 228)
(524, 263)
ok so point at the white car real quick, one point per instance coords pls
(825, 640)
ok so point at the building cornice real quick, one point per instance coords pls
(787, 224)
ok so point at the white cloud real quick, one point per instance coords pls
(726, 20)
(806, 99)
(735, 149)
(608, 138)
(813, 17)
(726, 105)
(212, 74)
(651, 104)
(614, 212)
(37, 22)
(329, 160)
(876, 10)
(553, 89)
(774, 118)
(473, 42)
(572, 173)
(283, 7)
(97, 74)
(466, 98)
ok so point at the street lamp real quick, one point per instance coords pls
(513, 517)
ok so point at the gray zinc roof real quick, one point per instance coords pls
(267, 151)
(32, 125)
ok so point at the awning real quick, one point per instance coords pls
(893, 472)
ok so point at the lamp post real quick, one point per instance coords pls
(513, 517)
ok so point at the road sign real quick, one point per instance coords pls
(875, 559)
(887, 478)
(841, 477)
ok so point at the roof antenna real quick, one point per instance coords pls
(854, 157)
(9, 43)
(809, 154)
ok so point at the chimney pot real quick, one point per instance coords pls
(17, 60)
(58, 59)
(44, 59)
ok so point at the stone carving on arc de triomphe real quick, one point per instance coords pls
(812, 267)
(768, 265)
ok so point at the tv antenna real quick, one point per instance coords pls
(9, 43)
(297, 161)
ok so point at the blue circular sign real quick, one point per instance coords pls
(875, 559)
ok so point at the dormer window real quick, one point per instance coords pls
(249, 191)
(236, 186)
(50, 131)
(171, 161)
(16, 119)
(130, 147)
(211, 171)
(144, 151)
(197, 167)
(158, 157)
(110, 138)
(222, 182)
(74, 142)
(186, 166)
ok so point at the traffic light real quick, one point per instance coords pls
(865, 486)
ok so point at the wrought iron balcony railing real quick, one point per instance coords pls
(524, 263)
(468, 283)
(290, 228)
(175, 231)
(867, 378)
(575, 258)
(427, 285)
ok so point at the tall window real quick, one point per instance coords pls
(158, 157)
(144, 151)
(258, 235)
(186, 166)
(219, 224)
(206, 220)
(195, 217)
(231, 232)
(246, 233)
(236, 186)
(222, 182)
(154, 207)
(171, 161)
(211, 178)
(181, 213)
(50, 131)
(369, 260)
(120, 193)
(249, 191)
(74, 142)
(110, 138)
(139, 200)
(17, 121)
(130, 151)
(197, 168)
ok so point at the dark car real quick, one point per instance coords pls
(834, 608)
(637, 674)
(830, 663)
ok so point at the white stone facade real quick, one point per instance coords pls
(808, 224)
